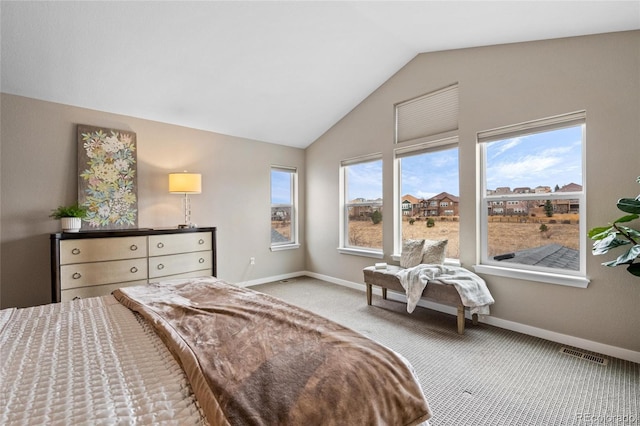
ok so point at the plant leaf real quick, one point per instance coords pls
(627, 218)
(629, 205)
(628, 257)
(634, 269)
(600, 232)
(604, 245)
(630, 232)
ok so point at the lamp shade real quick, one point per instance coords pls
(185, 183)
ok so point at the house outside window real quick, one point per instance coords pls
(284, 208)
(541, 233)
(361, 201)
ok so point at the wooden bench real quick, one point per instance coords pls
(445, 294)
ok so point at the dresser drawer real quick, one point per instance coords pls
(95, 290)
(195, 274)
(161, 266)
(160, 245)
(87, 274)
(94, 250)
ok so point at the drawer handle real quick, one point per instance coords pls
(200, 241)
(75, 251)
(76, 275)
(133, 247)
(133, 270)
(201, 260)
(160, 266)
(160, 245)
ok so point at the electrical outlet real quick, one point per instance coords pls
(252, 261)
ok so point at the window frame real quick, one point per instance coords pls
(293, 242)
(530, 272)
(344, 246)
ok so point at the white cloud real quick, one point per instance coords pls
(525, 171)
(507, 145)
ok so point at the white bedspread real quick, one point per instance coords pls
(472, 289)
(89, 362)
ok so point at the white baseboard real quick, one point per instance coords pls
(553, 336)
(273, 279)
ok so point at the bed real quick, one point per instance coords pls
(195, 352)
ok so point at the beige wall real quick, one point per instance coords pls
(502, 85)
(39, 172)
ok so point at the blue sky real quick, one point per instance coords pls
(543, 159)
(547, 159)
(364, 180)
(280, 187)
(426, 175)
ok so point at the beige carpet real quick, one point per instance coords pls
(489, 376)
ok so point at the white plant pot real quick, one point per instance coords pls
(70, 224)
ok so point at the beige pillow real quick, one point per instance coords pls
(433, 252)
(411, 253)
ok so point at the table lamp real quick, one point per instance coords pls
(185, 183)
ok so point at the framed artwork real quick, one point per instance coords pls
(107, 178)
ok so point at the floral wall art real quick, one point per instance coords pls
(107, 178)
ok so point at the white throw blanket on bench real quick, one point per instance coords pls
(472, 289)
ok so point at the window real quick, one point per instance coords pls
(426, 169)
(361, 200)
(284, 211)
(533, 202)
(428, 177)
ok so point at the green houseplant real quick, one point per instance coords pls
(70, 216)
(617, 234)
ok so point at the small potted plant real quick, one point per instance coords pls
(70, 217)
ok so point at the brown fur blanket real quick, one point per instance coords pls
(253, 359)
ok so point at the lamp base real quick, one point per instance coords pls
(187, 225)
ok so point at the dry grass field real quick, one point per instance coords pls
(506, 234)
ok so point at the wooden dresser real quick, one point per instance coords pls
(94, 263)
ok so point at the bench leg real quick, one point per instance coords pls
(474, 317)
(369, 291)
(384, 293)
(460, 319)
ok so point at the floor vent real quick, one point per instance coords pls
(578, 354)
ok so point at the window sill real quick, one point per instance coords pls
(361, 252)
(285, 247)
(544, 277)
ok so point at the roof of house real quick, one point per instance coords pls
(550, 255)
(277, 237)
(410, 198)
(570, 187)
(443, 195)
(522, 190)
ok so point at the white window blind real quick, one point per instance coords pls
(427, 115)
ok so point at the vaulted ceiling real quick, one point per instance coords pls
(281, 72)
